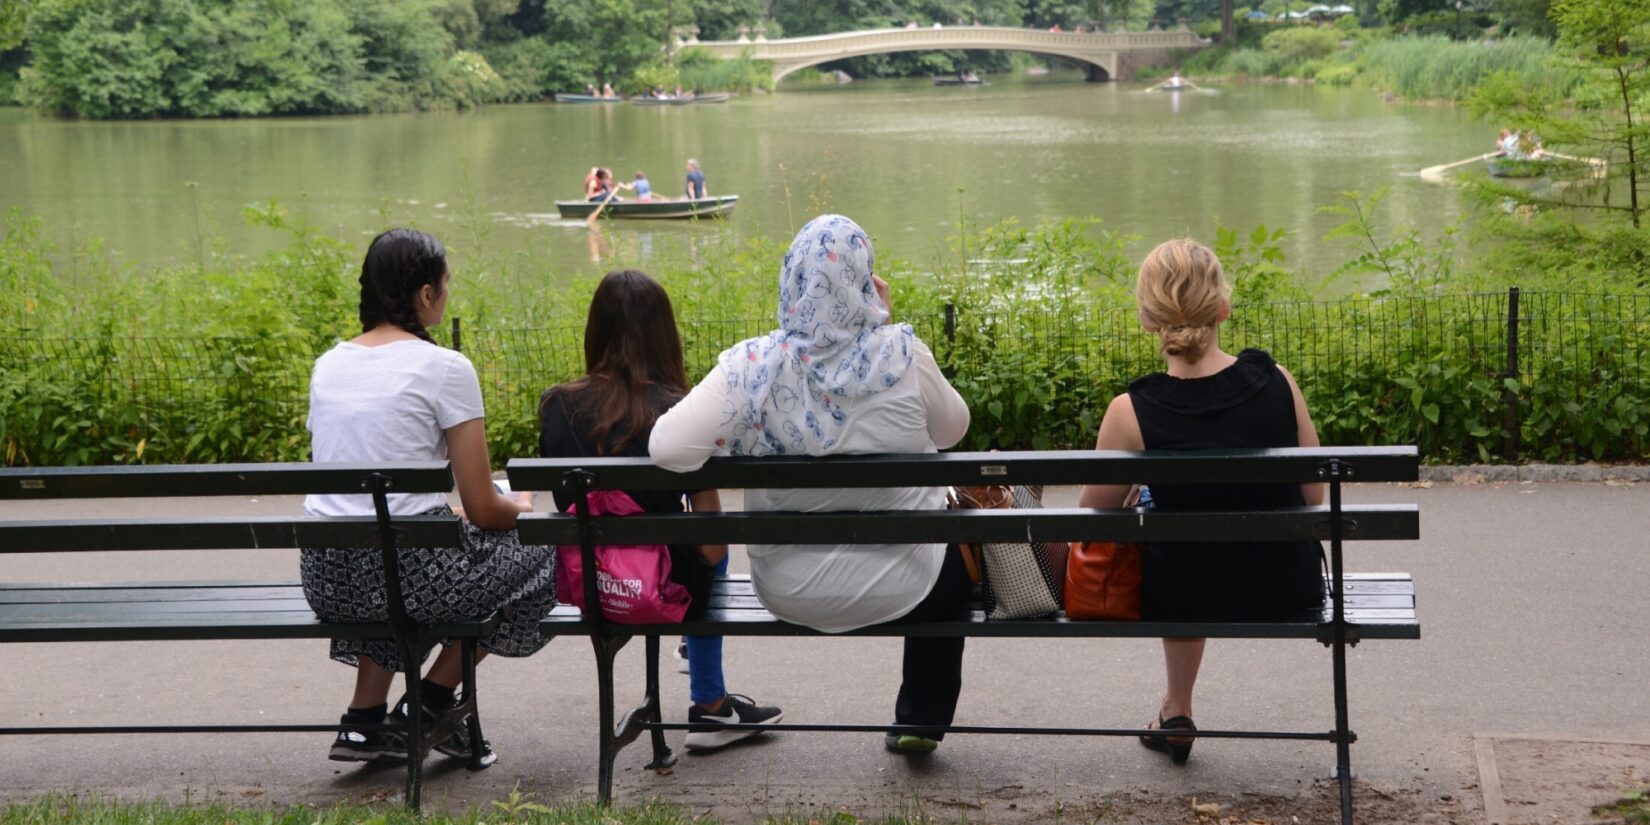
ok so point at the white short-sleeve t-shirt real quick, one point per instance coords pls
(392, 402)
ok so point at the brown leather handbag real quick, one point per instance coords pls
(1103, 580)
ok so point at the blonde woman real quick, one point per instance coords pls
(1207, 398)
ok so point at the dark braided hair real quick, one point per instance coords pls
(398, 264)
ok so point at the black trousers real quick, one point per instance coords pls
(932, 677)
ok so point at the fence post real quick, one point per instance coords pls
(1509, 398)
(458, 336)
(950, 325)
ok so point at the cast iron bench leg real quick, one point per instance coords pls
(469, 649)
(607, 647)
(654, 710)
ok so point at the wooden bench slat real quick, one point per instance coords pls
(56, 595)
(221, 533)
(1367, 522)
(1291, 466)
(270, 479)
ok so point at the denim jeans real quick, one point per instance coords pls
(704, 653)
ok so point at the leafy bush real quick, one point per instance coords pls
(211, 363)
(226, 58)
(1439, 68)
(1301, 43)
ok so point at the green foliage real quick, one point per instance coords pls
(1301, 43)
(1438, 68)
(703, 71)
(210, 362)
(216, 58)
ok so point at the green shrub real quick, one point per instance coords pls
(1438, 68)
(211, 362)
(1301, 43)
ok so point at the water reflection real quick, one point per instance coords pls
(906, 160)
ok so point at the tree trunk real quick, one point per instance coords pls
(1228, 28)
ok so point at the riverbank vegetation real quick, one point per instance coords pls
(234, 58)
(209, 362)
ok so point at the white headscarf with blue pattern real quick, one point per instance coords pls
(785, 388)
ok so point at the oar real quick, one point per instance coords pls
(1435, 172)
(591, 221)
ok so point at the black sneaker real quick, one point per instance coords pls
(457, 743)
(710, 730)
(366, 745)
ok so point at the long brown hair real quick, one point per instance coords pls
(632, 350)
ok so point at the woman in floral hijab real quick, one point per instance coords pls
(836, 378)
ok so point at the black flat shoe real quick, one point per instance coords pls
(1177, 751)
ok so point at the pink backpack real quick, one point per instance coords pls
(633, 581)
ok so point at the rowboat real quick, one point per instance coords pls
(564, 97)
(946, 80)
(716, 207)
(644, 100)
(1505, 167)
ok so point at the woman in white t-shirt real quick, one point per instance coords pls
(835, 379)
(392, 394)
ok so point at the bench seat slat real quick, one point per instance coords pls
(221, 533)
(1384, 608)
(1294, 465)
(122, 612)
(1363, 522)
(293, 625)
(272, 479)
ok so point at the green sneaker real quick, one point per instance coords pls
(908, 743)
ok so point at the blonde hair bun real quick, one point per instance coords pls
(1181, 289)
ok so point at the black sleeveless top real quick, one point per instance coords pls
(1248, 404)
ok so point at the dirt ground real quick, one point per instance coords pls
(1546, 781)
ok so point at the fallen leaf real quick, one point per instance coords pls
(1420, 485)
(1206, 808)
(1618, 482)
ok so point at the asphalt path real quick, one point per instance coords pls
(1532, 596)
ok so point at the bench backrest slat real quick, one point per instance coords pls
(272, 479)
(1362, 522)
(1293, 465)
(222, 533)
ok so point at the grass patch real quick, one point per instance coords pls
(1633, 808)
(518, 809)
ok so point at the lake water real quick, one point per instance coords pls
(904, 158)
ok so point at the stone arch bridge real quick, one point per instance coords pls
(1105, 55)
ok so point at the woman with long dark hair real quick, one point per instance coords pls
(392, 394)
(633, 374)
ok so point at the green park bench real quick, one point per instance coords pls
(1358, 607)
(38, 612)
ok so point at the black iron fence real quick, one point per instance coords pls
(1550, 376)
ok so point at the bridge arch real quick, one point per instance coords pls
(1107, 55)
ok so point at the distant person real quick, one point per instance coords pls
(1055, 28)
(644, 190)
(633, 374)
(605, 187)
(695, 180)
(391, 394)
(911, 25)
(607, 90)
(1501, 142)
(938, 25)
(1204, 399)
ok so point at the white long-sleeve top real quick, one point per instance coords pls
(836, 587)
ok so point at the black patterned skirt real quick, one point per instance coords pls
(491, 571)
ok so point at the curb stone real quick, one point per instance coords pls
(1505, 473)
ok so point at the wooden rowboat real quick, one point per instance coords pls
(717, 207)
(564, 97)
(1505, 167)
(644, 100)
(949, 80)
